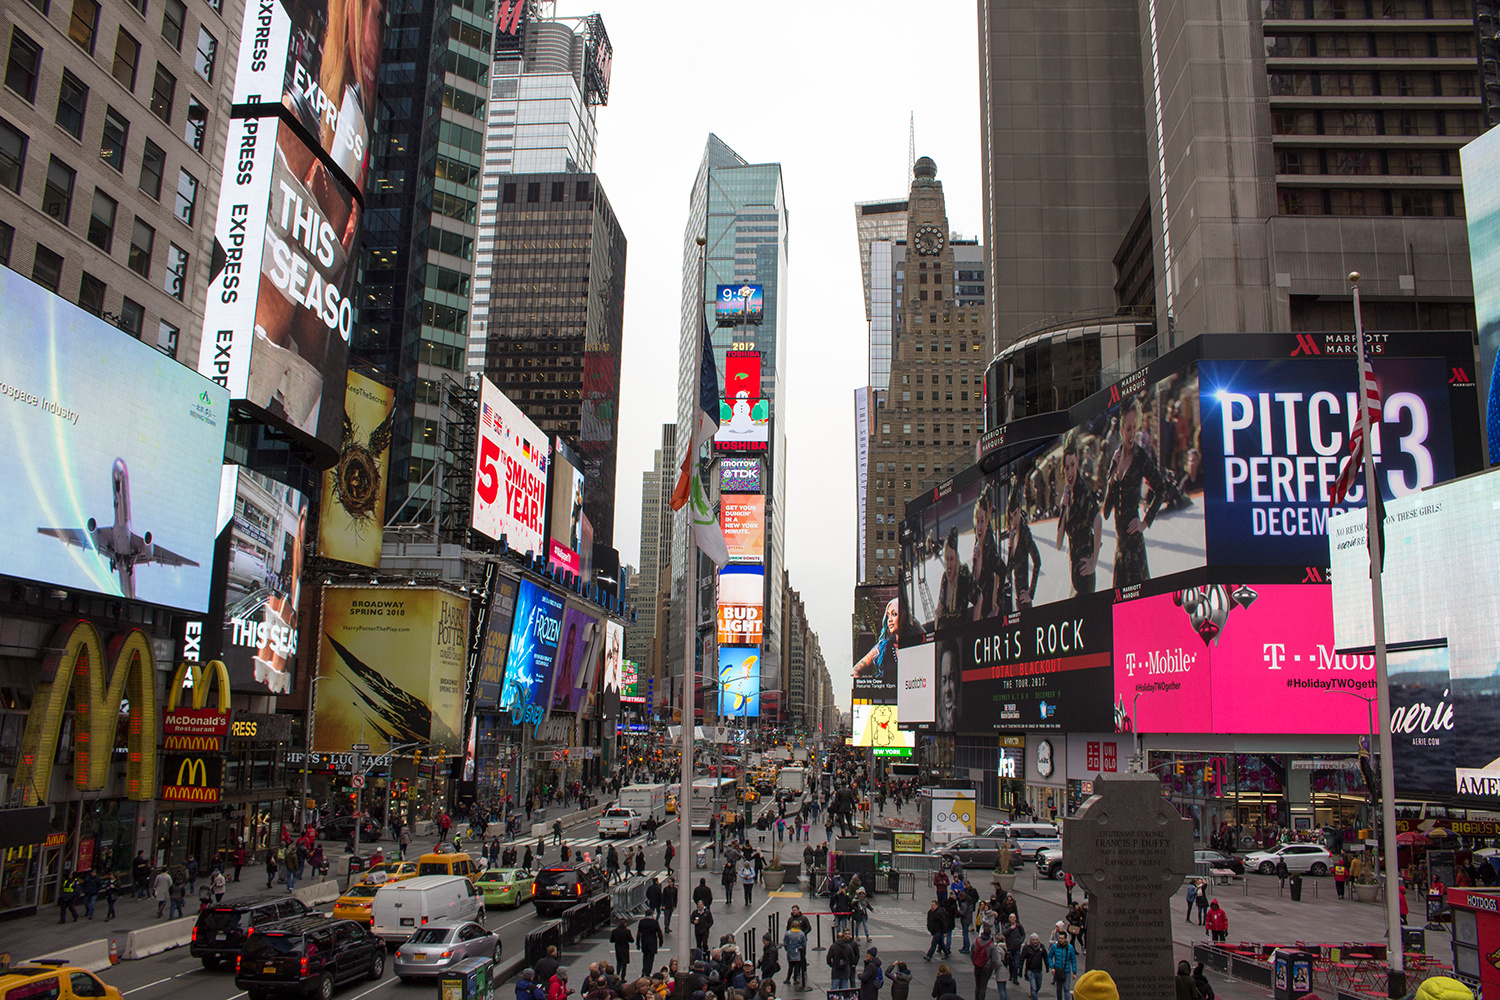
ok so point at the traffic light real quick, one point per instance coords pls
(1180, 768)
(1208, 774)
(417, 759)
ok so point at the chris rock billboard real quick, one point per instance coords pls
(112, 453)
(510, 473)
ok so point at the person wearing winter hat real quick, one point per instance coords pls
(1095, 984)
(1443, 988)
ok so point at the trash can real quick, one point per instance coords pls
(1295, 884)
(1291, 973)
(471, 979)
(356, 863)
(702, 858)
(1414, 939)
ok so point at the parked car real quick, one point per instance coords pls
(619, 823)
(401, 908)
(53, 979)
(310, 955)
(506, 886)
(977, 852)
(343, 826)
(1029, 837)
(1218, 859)
(559, 887)
(1311, 859)
(437, 947)
(221, 929)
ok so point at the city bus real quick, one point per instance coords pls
(711, 796)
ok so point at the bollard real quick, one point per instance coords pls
(818, 924)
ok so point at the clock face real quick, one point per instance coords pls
(1044, 758)
(930, 240)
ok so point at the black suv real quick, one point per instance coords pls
(309, 955)
(342, 828)
(559, 887)
(221, 929)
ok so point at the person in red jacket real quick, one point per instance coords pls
(1217, 923)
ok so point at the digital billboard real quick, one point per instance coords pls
(1442, 599)
(740, 305)
(1252, 658)
(743, 518)
(113, 453)
(279, 310)
(633, 692)
(391, 669)
(320, 61)
(613, 684)
(510, 473)
(351, 516)
(876, 630)
(533, 648)
(876, 726)
(565, 512)
(1481, 172)
(578, 637)
(740, 475)
(739, 682)
(744, 414)
(741, 608)
(917, 687)
(260, 552)
(493, 655)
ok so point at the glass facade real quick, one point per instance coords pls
(1056, 369)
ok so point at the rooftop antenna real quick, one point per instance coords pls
(911, 150)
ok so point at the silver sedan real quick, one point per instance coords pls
(439, 946)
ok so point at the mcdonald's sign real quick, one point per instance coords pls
(192, 777)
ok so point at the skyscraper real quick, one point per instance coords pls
(740, 208)
(644, 636)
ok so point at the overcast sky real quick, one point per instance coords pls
(825, 90)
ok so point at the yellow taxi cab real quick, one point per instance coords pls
(671, 805)
(52, 979)
(355, 904)
(392, 871)
(450, 863)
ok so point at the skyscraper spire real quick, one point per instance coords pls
(911, 149)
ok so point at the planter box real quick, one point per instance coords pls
(773, 878)
(1007, 882)
(1366, 893)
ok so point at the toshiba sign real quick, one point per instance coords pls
(740, 625)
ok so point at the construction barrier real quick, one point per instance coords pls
(147, 941)
(317, 892)
(92, 955)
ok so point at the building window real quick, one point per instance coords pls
(173, 17)
(12, 156)
(196, 127)
(46, 269)
(91, 294)
(140, 6)
(177, 271)
(24, 64)
(508, 194)
(163, 89)
(112, 144)
(187, 196)
(132, 318)
(44, 6)
(127, 58)
(7, 240)
(72, 101)
(557, 190)
(142, 237)
(57, 196)
(85, 24)
(208, 52)
(102, 221)
(533, 192)
(153, 166)
(166, 339)
(581, 192)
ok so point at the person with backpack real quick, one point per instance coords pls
(988, 956)
(795, 943)
(1062, 959)
(842, 958)
(968, 898)
(872, 976)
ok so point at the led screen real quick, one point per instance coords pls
(492, 657)
(565, 517)
(279, 313)
(321, 62)
(1481, 173)
(391, 669)
(351, 517)
(876, 726)
(739, 682)
(613, 684)
(739, 475)
(510, 473)
(741, 615)
(262, 571)
(916, 685)
(740, 305)
(743, 518)
(876, 629)
(533, 648)
(578, 634)
(114, 453)
(744, 414)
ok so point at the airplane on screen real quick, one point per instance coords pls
(118, 544)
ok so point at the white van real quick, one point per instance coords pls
(401, 907)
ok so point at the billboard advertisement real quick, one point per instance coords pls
(510, 473)
(1252, 658)
(741, 609)
(740, 305)
(876, 629)
(1481, 171)
(876, 726)
(113, 452)
(578, 637)
(739, 682)
(391, 669)
(533, 650)
(634, 692)
(612, 686)
(279, 310)
(1275, 433)
(319, 61)
(1441, 600)
(743, 518)
(261, 552)
(565, 510)
(351, 516)
(492, 657)
(744, 414)
(740, 475)
(917, 687)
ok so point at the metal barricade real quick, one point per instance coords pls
(918, 862)
(538, 940)
(629, 896)
(585, 918)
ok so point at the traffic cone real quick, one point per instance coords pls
(114, 952)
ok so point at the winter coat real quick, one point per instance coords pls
(989, 953)
(1186, 988)
(869, 981)
(557, 989)
(935, 921)
(1217, 920)
(842, 958)
(944, 985)
(900, 983)
(648, 934)
(1033, 958)
(1062, 958)
(795, 943)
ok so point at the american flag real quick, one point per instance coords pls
(1353, 465)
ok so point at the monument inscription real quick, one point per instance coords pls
(1130, 850)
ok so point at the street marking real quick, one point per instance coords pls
(384, 982)
(785, 895)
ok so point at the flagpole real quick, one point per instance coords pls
(690, 665)
(1395, 944)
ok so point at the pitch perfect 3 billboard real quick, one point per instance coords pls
(1188, 495)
